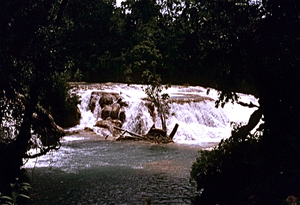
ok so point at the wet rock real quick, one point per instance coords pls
(115, 108)
(88, 129)
(122, 103)
(94, 100)
(108, 123)
(104, 124)
(117, 123)
(106, 99)
(106, 112)
(122, 115)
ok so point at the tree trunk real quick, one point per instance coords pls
(163, 123)
(12, 154)
(162, 117)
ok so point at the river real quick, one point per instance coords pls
(88, 169)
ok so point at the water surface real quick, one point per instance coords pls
(90, 170)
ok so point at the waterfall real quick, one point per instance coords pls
(191, 107)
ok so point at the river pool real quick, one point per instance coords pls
(90, 170)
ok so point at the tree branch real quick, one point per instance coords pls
(250, 105)
(43, 151)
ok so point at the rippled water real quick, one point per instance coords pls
(87, 170)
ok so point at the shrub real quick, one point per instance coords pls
(226, 172)
(258, 169)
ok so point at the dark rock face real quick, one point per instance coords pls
(112, 110)
(107, 99)
(115, 108)
(93, 100)
(106, 112)
(111, 105)
(122, 103)
(122, 115)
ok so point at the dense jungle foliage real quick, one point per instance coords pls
(262, 166)
(232, 45)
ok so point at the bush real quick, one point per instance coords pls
(244, 171)
(226, 173)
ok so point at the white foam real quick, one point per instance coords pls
(198, 121)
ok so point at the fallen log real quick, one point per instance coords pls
(153, 135)
(131, 133)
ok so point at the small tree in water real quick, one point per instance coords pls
(144, 59)
(154, 90)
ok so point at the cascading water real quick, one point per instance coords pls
(191, 107)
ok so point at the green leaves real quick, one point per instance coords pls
(153, 90)
(228, 172)
(7, 200)
(142, 58)
(19, 192)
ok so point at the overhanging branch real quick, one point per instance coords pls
(250, 105)
(44, 151)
